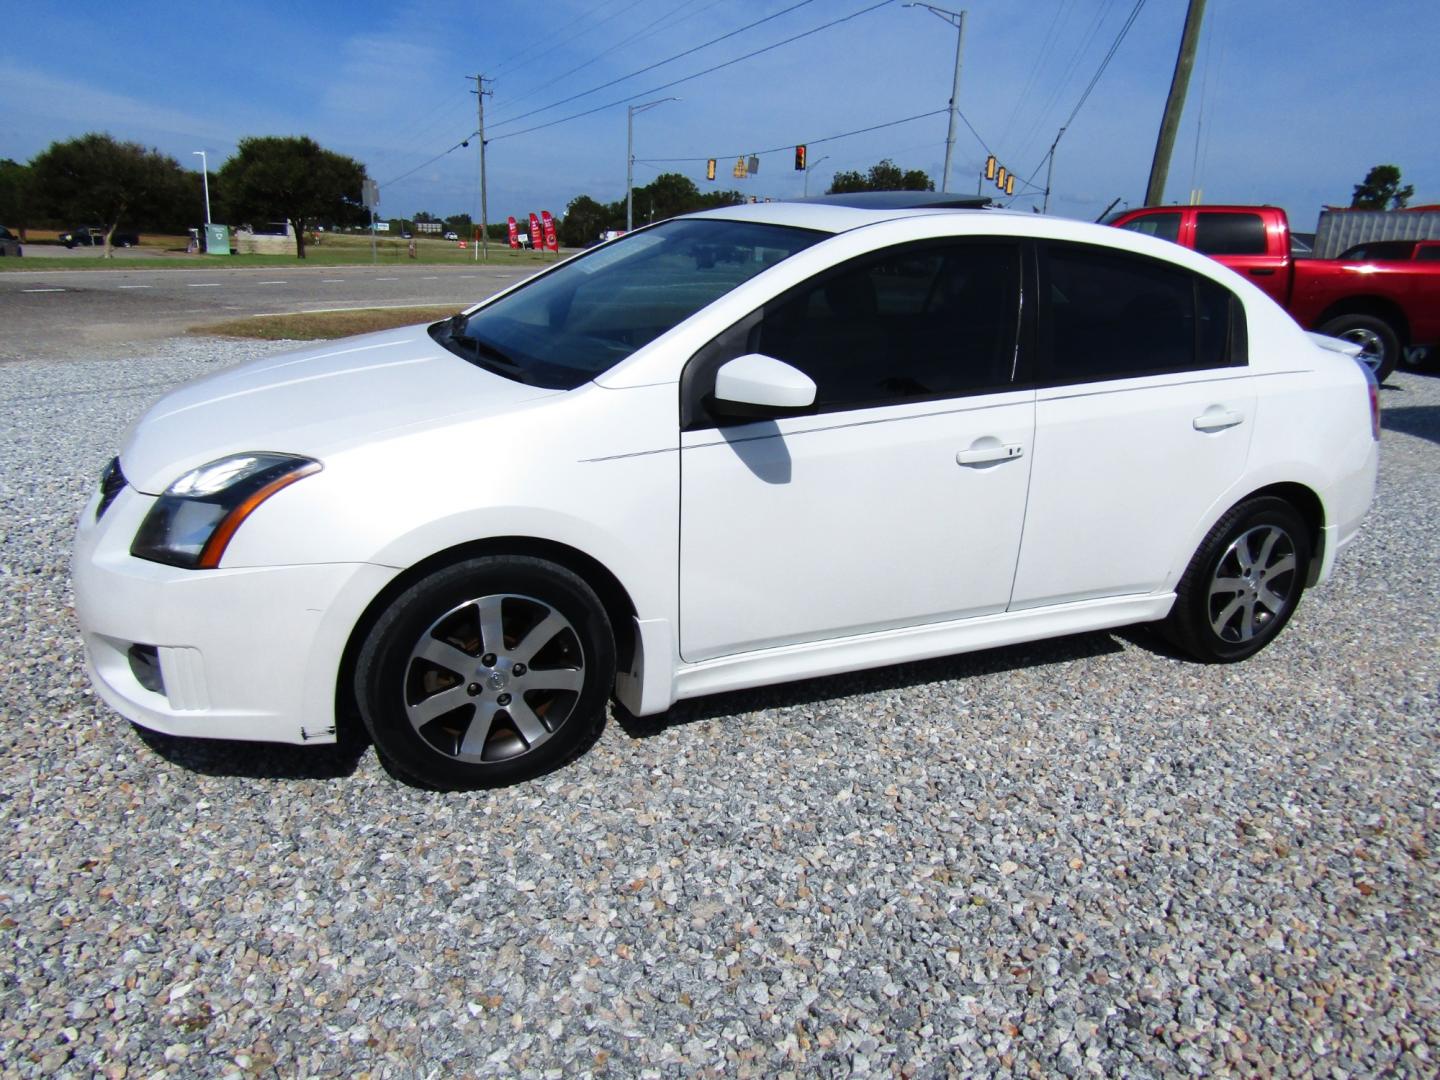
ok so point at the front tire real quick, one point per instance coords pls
(1379, 345)
(487, 672)
(1243, 584)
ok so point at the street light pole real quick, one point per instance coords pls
(957, 20)
(630, 156)
(205, 180)
(807, 174)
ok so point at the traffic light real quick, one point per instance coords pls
(1010, 184)
(710, 169)
(990, 166)
(800, 158)
(1000, 178)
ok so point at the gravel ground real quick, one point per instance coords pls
(1084, 857)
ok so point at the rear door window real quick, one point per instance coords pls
(1112, 315)
(1220, 233)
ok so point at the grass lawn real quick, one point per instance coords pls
(334, 250)
(321, 325)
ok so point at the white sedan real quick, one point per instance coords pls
(745, 446)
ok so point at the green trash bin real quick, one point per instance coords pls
(217, 239)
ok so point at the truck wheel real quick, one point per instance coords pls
(1379, 347)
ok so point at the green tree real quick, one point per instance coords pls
(293, 178)
(1381, 190)
(884, 175)
(584, 221)
(669, 195)
(461, 225)
(14, 195)
(98, 179)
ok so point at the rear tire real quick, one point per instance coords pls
(1380, 347)
(1243, 584)
(487, 672)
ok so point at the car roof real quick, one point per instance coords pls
(832, 217)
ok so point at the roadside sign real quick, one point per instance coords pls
(370, 194)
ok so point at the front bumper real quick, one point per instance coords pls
(245, 653)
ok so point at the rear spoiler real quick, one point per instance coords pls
(1334, 344)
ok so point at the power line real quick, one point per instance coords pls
(1099, 71)
(1040, 63)
(1061, 86)
(463, 142)
(807, 142)
(698, 74)
(639, 35)
(1125, 29)
(658, 63)
(558, 37)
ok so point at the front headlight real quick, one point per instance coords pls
(193, 521)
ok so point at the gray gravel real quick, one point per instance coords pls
(1083, 857)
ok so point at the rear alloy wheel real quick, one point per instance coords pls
(1243, 584)
(488, 672)
(1379, 347)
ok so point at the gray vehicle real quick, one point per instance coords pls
(9, 242)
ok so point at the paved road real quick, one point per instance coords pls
(120, 307)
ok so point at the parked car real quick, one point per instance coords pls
(9, 243)
(94, 236)
(1385, 308)
(656, 472)
(452, 236)
(1394, 251)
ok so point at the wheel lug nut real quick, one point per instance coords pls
(488, 660)
(503, 699)
(519, 669)
(473, 689)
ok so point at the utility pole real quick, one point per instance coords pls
(630, 155)
(1050, 171)
(957, 20)
(1175, 103)
(480, 94)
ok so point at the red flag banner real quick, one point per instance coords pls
(514, 234)
(551, 240)
(537, 238)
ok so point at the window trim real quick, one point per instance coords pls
(1045, 372)
(697, 379)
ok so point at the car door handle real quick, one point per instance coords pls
(983, 455)
(1259, 271)
(1217, 419)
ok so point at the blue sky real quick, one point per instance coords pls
(1290, 103)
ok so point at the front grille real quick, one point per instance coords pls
(112, 480)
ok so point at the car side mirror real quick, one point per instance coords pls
(759, 385)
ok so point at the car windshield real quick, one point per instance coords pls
(569, 326)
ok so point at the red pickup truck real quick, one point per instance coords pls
(1382, 305)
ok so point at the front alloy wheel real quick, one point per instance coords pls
(494, 678)
(486, 672)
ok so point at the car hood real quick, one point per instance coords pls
(312, 401)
